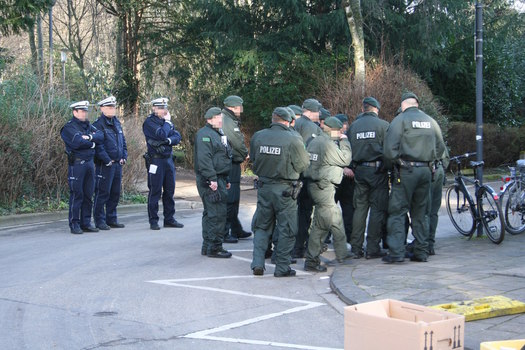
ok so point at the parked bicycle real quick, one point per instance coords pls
(467, 212)
(512, 199)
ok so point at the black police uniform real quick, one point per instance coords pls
(161, 170)
(81, 171)
(108, 170)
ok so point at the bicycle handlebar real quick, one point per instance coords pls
(461, 157)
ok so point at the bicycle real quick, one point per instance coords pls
(465, 213)
(512, 199)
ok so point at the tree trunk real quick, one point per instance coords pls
(354, 19)
(34, 53)
(40, 50)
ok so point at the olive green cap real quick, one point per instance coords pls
(212, 112)
(233, 101)
(324, 113)
(291, 113)
(372, 102)
(312, 105)
(296, 109)
(333, 123)
(408, 95)
(342, 117)
(282, 112)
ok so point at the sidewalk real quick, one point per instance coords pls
(461, 270)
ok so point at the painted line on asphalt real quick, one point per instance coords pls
(298, 272)
(207, 334)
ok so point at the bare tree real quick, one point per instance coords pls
(130, 22)
(74, 28)
(354, 19)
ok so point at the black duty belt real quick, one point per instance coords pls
(160, 156)
(375, 164)
(82, 160)
(407, 164)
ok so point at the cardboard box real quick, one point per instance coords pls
(392, 324)
(517, 344)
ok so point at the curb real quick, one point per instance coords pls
(339, 279)
(32, 218)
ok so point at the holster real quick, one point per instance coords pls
(294, 192)
(70, 158)
(147, 160)
(396, 175)
(296, 189)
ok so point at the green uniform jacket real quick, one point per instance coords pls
(413, 136)
(307, 128)
(327, 160)
(232, 128)
(366, 135)
(278, 154)
(212, 157)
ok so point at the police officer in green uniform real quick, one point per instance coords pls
(436, 192)
(329, 152)
(212, 158)
(278, 158)
(412, 143)
(231, 125)
(344, 192)
(297, 111)
(307, 126)
(366, 135)
(275, 234)
(323, 114)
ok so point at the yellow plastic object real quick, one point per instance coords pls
(482, 308)
(503, 345)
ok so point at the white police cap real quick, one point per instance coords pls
(111, 101)
(83, 105)
(160, 102)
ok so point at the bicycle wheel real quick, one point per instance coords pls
(515, 208)
(460, 210)
(491, 215)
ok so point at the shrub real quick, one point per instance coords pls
(386, 82)
(500, 145)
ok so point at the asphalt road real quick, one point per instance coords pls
(134, 288)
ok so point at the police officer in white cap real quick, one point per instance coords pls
(80, 138)
(110, 156)
(161, 136)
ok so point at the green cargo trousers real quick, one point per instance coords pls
(410, 192)
(274, 209)
(436, 192)
(327, 218)
(371, 192)
(213, 215)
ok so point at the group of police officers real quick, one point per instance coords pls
(306, 162)
(96, 153)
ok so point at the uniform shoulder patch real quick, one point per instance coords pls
(206, 139)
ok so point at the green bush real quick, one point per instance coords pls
(501, 146)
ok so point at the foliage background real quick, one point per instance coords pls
(272, 52)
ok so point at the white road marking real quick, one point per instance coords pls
(207, 333)
(298, 272)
